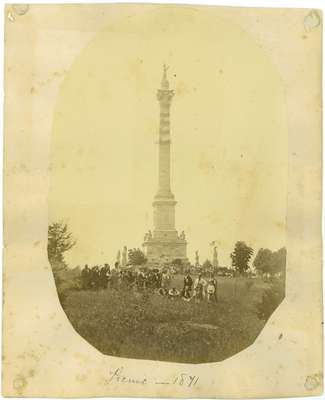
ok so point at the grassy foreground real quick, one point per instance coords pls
(149, 326)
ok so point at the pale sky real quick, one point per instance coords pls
(228, 129)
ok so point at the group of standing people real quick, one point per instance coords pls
(102, 277)
(96, 277)
(200, 289)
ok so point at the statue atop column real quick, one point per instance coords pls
(197, 258)
(164, 82)
(124, 256)
(118, 258)
(182, 235)
(215, 261)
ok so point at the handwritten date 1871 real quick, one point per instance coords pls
(185, 380)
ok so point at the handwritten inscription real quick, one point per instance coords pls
(183, 379)
(118, 376)
(186, 380)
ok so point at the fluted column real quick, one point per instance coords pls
(164, 97)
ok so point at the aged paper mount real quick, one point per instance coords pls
(85, 92)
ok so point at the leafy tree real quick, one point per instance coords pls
(263, 260)
(241, 257)
(273, 263)
(270, 262)
(279, 261)
(136, 257)
(60, 240)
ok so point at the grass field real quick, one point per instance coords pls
(149, 326)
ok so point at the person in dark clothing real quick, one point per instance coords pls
(129, 279)
(188, 283)
(103, 278)
(108, 269)
(141, 280)
(85, 277)
(114, 279)
(94, 277)
(150, 279)
(156, 279)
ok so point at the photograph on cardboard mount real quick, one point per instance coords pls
(168, 186)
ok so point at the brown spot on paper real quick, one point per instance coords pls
(313, 381)
(19, 384)
(20, 9)
(312, 20)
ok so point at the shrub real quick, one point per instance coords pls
(248, 284)
(271, 299)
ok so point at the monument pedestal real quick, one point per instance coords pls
(165, 247)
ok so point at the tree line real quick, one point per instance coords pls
(265, 262)
(60, 240)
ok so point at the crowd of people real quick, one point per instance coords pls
(159, 281)
(95, 277)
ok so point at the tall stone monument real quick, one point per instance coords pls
(215, 261)
(164, 245)
(124, 256)
(118, 258)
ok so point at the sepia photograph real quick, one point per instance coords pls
(162, 201)
(168, 193)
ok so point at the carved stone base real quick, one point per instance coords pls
(164, 247)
